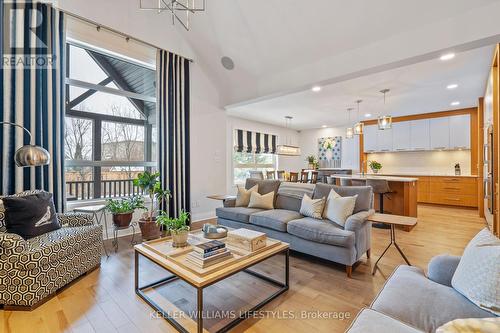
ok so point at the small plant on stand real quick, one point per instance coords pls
(375, 166)
(177, 226)
(123, 209)
(311, 159)
(150, 184)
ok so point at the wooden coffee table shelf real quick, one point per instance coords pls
(172, 260)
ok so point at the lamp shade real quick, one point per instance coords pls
(349, 133)
(358, 128)
(287, 150)
(384, 122)
(31, 155)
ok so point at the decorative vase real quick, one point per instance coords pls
(122, 220)
(149, 229)
(375, 170)
(179, 238)
(311, 166)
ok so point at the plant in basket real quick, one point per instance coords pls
(178, 227)
(122, 209)
(150, 184)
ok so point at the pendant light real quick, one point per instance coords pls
(384, 121)
(349, 133)
(358, 127)
(287, 149)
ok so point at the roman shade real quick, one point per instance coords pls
(254, 142)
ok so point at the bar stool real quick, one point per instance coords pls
(294, 177)
(304, 176)
(380, 187)
(314, 177)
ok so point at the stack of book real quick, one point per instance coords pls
(208, 254)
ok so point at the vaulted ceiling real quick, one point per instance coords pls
(280, 47)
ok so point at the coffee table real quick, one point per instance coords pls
(172, 260)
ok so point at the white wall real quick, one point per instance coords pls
(350, 147)
(429, 163)
(288, 163)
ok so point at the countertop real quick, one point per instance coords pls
(375, 177)
(423, 174)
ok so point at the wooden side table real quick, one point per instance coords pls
(393, 221)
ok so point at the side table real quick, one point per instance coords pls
(392, 221)
(98, 213)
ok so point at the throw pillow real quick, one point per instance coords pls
(243, 196)
(477, 276)
(312, 207)
(263, 201)
(338, 209)
(30, 216)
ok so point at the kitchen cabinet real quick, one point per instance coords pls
(419, 134)
(370, 138)
(401, 136)
(384, 140)
(460, 132)
(439, 129)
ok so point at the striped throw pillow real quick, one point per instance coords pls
(312, 207)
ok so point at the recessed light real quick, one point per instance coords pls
(455, 103)
(447, 56)
(368, 115)
(452, 86)
(316, 88)
(324, 126)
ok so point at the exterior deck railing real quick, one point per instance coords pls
(89, 189)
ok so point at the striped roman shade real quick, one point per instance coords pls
(254, 142)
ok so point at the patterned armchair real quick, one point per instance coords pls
(33, 269)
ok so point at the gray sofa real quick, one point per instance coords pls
(320, 238)
(410, 302)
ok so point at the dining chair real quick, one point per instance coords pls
(304, 176)
(314, 177)
(294, 177)
(256, 174)
(345, 182)
(270, 175)
(281, 174)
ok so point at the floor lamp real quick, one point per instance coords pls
(29, 155)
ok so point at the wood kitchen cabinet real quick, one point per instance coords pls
(453, 191)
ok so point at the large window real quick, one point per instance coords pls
(243, 163)
(110, 133)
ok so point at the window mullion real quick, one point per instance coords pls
(97, 142)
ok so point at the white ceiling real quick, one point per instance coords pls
(418, 88)
(282, 46)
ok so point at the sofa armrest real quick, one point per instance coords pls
(441, 268)
(230, 202)
(356, 221)
(75, 219)
(11, 244)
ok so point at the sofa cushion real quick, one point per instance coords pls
(240, 214)
(338, 208)
(290, 195)
(312, 207)
(477, 276)
(265, 185)
(53, 246)
(411, 297)
(276, 219)
(363, 201)
(262, 201)
(320, 231)
(243, 196)
(371, 321)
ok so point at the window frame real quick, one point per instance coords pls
(251, 166)
(98, 119)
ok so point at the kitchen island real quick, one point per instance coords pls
(403, 197)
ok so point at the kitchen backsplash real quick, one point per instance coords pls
(429, 162)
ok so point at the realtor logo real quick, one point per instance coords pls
(26, 36)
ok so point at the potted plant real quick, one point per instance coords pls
(375, 166)
(177, 226)
(123, 209)
(311, 159)
(150, 183)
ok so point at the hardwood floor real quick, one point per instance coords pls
(104, 300)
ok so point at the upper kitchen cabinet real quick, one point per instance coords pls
(440, 133)
(384, 140)
(460, 132)
(370, 138)
(419, 134)
(401, 136)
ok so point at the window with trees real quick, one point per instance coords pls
(243, 163)
(110, 133)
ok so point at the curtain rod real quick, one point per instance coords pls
(116, 32)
